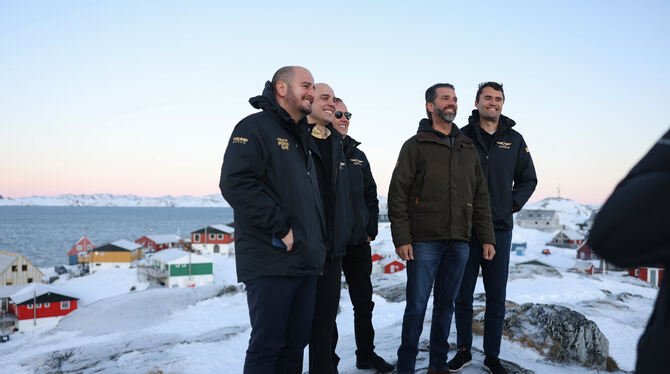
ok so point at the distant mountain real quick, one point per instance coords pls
(109, 200)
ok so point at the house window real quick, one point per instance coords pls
(30, 306)
(30, 280)
(8, 283)
(536, 222)
(637, 272)
(89, 247)
(65, 305)
(46, 305)
(196, 237)
(15, 268)
(212, 236)
(39, 305)
(98, 264)
(24, 267)
(79, 247)
(220, 236)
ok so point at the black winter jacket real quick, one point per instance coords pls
(268, 179)
(339, 224)
(508, 168)
(631, 230)
(363, 193)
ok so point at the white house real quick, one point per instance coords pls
(177, 268)
(545, 220)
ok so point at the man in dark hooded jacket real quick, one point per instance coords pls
(268, 177)
(357, 262)
(509, 171)
(631, 230)
(326, 148)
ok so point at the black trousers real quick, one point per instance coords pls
(321, 344)
(357, 266)
(280, 309)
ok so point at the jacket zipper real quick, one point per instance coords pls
(418, 195)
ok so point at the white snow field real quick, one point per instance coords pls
(206, 329)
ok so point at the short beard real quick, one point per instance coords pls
(489, 118)
(447, 117)
(292, 100)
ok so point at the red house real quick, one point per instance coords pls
(585, 253)
(649, 274)
(156, 243)
(40, 305)
(213, 239)
(394, 266)
(82, 246)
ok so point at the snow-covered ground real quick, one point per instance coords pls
(206, 329)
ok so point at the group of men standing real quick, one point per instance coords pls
(306, 209)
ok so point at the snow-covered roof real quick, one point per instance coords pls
(536, 214)
(6, 261)
(126, 244)
(582, 265)
(36, 290)
(173, 256)
(7, 291)
(164, 238)
(224, 228)
(571, 234)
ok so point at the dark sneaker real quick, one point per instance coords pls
(462, 359)
(374, 362)
(493, 366)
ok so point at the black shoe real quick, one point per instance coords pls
(374, 362)
(462, 359)
(493, 365)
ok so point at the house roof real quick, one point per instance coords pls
(16, 256)
(6, 261)
(219, 228)
(164, 238)
(536, 214)
(571, 234)
(35, 290)
(7, 291)
(119, 246)
(177, 256)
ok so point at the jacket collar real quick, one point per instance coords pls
(504, 122)
(317, 133)
(267, 102)
(349, 144)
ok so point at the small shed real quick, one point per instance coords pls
(650, 274)
(585, 253)
(545, 220)
(519, 248)
(567, 238)
(584, 267)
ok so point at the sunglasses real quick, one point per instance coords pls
(339, 114)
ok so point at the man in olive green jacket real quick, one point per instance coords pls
(438, 195)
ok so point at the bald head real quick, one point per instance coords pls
(294, 90)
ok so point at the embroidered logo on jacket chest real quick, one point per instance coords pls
(356, 161)
(283, 143)
(503, 145)
(240, 140)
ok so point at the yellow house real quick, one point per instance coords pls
(118, 254)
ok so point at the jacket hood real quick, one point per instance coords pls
(267, 102)
(349, 144)
(503, 124)
(427, 125)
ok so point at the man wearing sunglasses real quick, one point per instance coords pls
(437, 196)
(326, 147)
(506, 163)
(357, 262)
